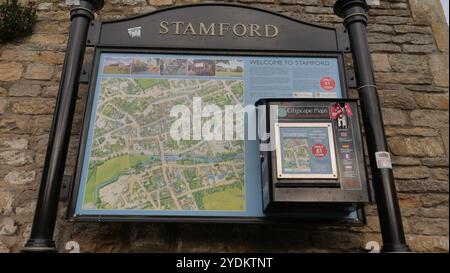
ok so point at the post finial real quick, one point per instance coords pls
(342, 8)
(96, 4)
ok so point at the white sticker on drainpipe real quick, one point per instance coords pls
(383, 160)
(73, 2)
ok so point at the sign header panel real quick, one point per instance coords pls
(220, 27)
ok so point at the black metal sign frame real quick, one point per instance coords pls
(104, 37)
(72, 216)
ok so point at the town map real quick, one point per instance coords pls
(296, 155)
(134, 162)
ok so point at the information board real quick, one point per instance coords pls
(156, 141)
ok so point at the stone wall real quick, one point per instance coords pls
(409, 41)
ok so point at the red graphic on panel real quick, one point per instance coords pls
(327, 83)
(319, 150)
(348, 109)
(336, 111)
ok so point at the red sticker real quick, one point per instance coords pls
(319, 150)
(335, 111)
(327, 83)
(348, 109)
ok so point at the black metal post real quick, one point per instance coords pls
(41, 239)
(354, 13)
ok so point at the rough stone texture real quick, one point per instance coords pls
(430, 118)
(431, 13)
(432, 101)
(32, 106)
(416, 146)
(409, 42)
(395, 117)
(39, 72)
(3, 105)
(408, 63)
(3, 91)
(10, 72)
(4, 248)
(25, 90)
(381, 62)
(439, 68)
(15, 158)
(13, 143)
(6, 200)
(20, 177)
(157, 3)
(7, 226)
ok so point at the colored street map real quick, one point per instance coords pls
(134, 163)
(296, 155)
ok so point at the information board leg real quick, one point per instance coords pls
(354, 13)
(41, 239)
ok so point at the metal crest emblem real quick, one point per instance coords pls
(135, 32)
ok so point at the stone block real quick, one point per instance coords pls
(39, 72)
(20, 177)
(7, 226)
(381, 62)
(6, 200)
(15, 158)
(439, 69)
(24, 90)
(432, 101)
(10, 71)
(32, 106)
(430, 118)
(416, 146)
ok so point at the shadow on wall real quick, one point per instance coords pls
(175, 237)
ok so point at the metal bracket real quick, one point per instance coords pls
(351, 79)
(85, 75)
(342, 39)
(66, 187)
(93, 36)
